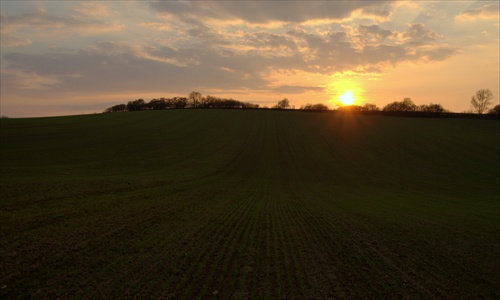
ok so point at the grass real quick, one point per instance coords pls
(191, 204)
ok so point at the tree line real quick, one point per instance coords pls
(406, 105)
(179, 103)
(480, 102)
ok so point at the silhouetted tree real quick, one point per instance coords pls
(136, 105)
(180, 102)
(216, 102)
(249, 105)
(116, 108)
(318, 106)
(405, 105)
(204, 102)
(283, 104)
(481, 100)
(195, 97)
(370, 107)
(495, 110)
(408, 105)
(158, 104)
(431, 108)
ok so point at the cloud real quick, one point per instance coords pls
(270, 11)
(377, 12)
(417, 34)
(269, 44)
(295, 89)
(109, 67)
(8, 40)
(296, 43)
(438, 53)
(157, 26)
(488, 11)
(41, 23)
(375, 32)
(92, 10)
(368, 48)
(27, 80)
(211, 59)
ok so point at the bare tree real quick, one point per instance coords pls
(481, 100)
(195, 97)
(283, 104)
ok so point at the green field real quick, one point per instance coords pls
(237, 204)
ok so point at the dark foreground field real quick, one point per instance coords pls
(249, 204)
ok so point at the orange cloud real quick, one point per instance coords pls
(488, 11)
(157, 26)
(8, 40)
(42, 23)
(92, 9)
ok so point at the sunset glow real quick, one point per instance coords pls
(347, 98)
(72, 57)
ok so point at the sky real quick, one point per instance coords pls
(80, 57)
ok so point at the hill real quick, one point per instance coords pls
(240, 204)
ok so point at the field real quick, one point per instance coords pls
(237, 204)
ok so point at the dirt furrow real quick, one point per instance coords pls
(167, 259)
(203, 247)
(230, 260)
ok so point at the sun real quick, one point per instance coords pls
(347, 98)
(345, 91)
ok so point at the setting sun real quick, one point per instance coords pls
(347, 98)
(345, 91)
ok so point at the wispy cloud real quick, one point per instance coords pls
(160, 26)
(488, 11)
(271, 11)
(8, 40)
(41, 23)
(93, 10)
